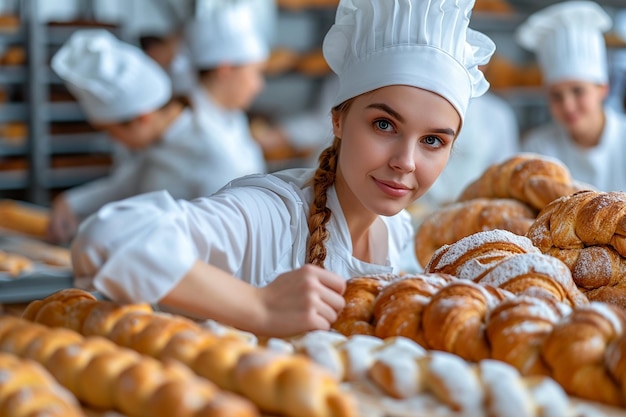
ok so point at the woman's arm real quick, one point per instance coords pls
(301, 300)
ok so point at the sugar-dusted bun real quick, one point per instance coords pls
(475, 255)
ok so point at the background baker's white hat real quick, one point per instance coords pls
(112, 80)
(568, 42)
(225, 31)
(421, 43)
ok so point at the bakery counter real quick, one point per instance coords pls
(358, 376)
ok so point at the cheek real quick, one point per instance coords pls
(429, 168)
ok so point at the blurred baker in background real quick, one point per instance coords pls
(129, 96)
(589, 137)
(157, 27)
(229, 52)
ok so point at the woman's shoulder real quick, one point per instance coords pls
(291, 183)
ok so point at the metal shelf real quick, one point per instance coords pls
(73, 176)
(12, 75)
(9, 149)
(13, 180)
(64, 112)
(95, 142)
(13, 111)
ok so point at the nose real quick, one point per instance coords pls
(403, 157)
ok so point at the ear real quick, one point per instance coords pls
(604, 91)
(337, 124)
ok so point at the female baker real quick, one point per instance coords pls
(270, 253)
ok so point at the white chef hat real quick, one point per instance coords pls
(112, 80)
(568, 42)
(225, 31)
(421, 43)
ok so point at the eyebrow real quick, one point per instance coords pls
(395, 114)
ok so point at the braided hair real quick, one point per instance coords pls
(319, 213)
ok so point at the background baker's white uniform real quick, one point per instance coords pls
(237, 153)
(184, 163)
(602, 166)
(138, 249)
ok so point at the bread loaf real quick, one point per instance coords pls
(24, 219)
(587, 231)
(401, 369)
(298, 387)
(461, 219)
(508, 261)
(106, 376)
(27, 390)
(531, 178)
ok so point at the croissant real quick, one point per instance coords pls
(355, 317)
(399, 306)
(533, 179)
(508, 261)
(299, 388)
(27, 389)
(108, 377)
(577, 349)
(461, 219)
(454, 319)
(517, 328)
(587, 231)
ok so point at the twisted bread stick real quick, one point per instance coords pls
(533, 179)
(461, 219)
(402, 369)
(27, 389)
(299, 387)
(106, 376)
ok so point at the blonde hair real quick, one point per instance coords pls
(319, 213)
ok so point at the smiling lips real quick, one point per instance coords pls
(392, 189)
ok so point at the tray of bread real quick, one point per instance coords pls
(129, 360)
(31, 268)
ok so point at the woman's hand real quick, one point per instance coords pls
(63, 222)
(308, 298)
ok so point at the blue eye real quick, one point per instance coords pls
(433, 141)
(383, 125)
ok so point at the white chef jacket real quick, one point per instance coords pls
(138, 249)
(230, 135)
(185, 162)
(490, 134)
(601, 166)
